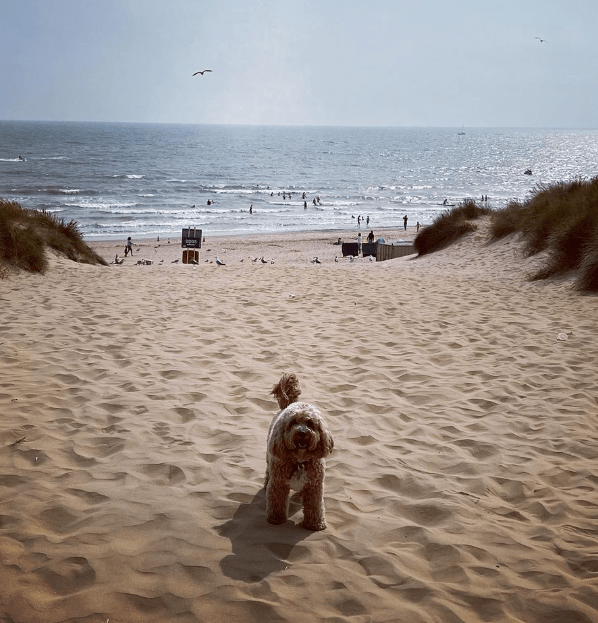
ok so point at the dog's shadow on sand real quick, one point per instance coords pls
(259, 548)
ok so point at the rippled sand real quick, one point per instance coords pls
(464, 482)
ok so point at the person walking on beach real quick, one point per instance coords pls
(405, 222)
(359, 243)
(371, 236)
(129, 247)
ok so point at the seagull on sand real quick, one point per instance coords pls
(219, 262)
(541, 40)
(316, 261)
(202, 72)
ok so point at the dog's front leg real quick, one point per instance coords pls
(277, 497)
(314, 515)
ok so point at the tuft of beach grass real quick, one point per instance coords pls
(26, 234)
(559, 218)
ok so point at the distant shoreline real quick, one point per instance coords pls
(283, 248)
(345, 233)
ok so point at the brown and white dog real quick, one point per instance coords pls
(298, 441)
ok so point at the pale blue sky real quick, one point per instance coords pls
(302, 62)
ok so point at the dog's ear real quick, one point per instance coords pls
(326, 443)
(276, 443)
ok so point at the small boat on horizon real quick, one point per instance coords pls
(461, 132)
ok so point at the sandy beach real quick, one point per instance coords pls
(287, 248)
(135, 404)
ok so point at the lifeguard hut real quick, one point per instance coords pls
(191, 243)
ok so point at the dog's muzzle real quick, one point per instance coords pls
(302, 438)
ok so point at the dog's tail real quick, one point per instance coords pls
(287, 390)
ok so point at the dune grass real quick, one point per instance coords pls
(560, 218)
(449, 227)
(25, 235)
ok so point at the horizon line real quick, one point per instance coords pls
(311, 125)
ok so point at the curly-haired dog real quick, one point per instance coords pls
(298, 441)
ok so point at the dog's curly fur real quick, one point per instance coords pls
(298, 441)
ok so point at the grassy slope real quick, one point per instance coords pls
(25, 235)
(449, 227)
(561, 218)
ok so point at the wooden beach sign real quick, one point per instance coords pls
(191, 243)
(191, 238)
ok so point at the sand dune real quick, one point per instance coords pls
(464, 482)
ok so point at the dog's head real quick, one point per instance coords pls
(300, 430)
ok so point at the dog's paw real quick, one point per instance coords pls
(276, 519)
(314, 527)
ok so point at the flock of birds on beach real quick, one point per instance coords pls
(119, 261)
(143, 262)
(314, 260)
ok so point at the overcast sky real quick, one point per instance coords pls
(302, 62)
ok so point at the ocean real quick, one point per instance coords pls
(147, 180)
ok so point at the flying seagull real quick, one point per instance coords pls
(201, 72)
(541, 40)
